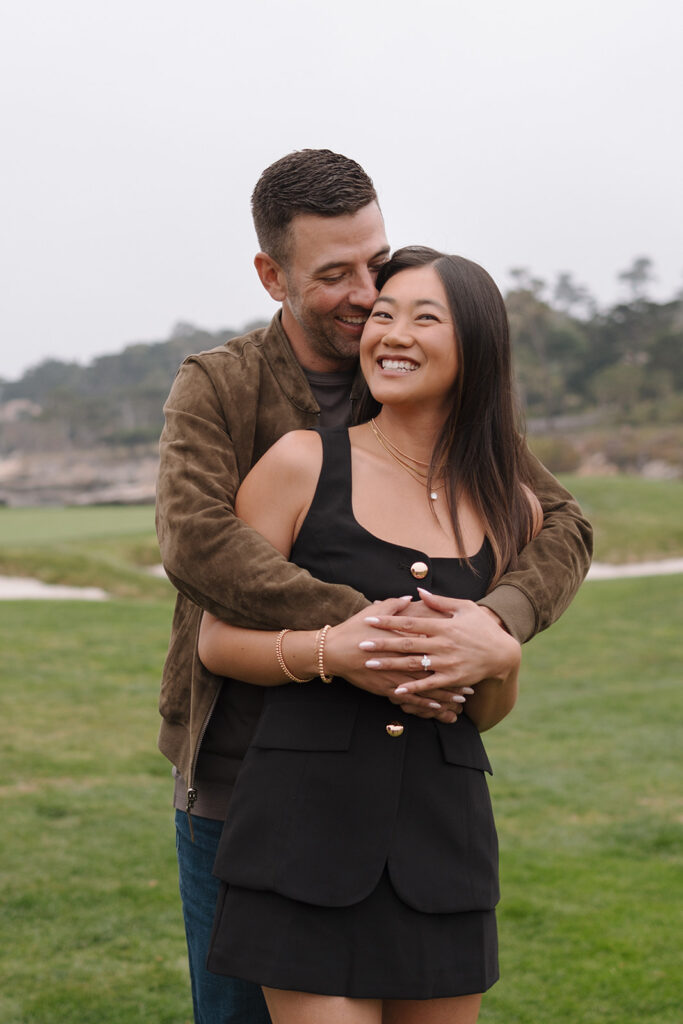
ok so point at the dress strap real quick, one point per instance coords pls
(333, 494)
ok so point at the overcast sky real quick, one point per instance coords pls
(536, 133)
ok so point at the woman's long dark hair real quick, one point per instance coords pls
(479, 450)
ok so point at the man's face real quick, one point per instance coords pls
(330, 283)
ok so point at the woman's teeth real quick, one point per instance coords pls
(397, 364)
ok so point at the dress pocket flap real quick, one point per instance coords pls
(303, 725)
(461, 744)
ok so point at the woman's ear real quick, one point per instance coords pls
(271, 275)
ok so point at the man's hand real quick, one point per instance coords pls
(463, 643)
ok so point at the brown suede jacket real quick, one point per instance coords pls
(227, 406)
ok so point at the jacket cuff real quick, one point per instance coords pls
(515, 609)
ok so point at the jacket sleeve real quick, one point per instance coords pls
(551, 568)
(210, 555)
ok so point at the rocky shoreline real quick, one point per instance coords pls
(100, 476)
(127, 476)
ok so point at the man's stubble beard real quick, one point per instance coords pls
(322, 334)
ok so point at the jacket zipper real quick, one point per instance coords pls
(192, 793)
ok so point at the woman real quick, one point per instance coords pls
(360, 855)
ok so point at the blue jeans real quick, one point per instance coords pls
(216, 999)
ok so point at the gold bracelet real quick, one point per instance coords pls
(322, 636)
(281, 660)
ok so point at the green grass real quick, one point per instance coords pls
(590, 813)
(108, 547)
(586, 791)
(633, 519)
(586, 785)
(91, 929)
(22, 527)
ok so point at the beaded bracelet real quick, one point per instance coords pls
(320, 644)
(281, 660)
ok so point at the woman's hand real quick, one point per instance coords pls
(345, 655)
(463, 644)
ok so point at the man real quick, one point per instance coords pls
(322, 242)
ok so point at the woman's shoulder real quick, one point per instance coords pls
(292, 448)
(293, 461)
(278, 490)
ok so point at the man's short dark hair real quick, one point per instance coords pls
(314, 181)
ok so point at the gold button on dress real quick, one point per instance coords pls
(419, 570)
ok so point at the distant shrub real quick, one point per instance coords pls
(556, 453)
(669, 410)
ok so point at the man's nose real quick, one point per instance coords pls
(364, 291)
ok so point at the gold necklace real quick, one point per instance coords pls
(420, 477)
(375, 426)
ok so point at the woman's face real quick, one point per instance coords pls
(408, 351)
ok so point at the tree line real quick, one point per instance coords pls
(571, 358)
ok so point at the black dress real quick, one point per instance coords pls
(356, 862)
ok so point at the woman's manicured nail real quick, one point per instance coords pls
(421, 590)
(372, 618)
(367, 645)
(433, 704)
(458, 699)
(373, 663)
(399, 689)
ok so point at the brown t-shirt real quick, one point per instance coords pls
(238, 707)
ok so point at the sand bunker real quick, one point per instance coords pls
(18, 588)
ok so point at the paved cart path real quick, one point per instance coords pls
(665, 567)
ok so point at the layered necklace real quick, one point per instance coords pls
(414, 467)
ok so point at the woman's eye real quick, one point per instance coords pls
(427, 316)
(381, 314)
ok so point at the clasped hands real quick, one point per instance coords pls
(381, 648)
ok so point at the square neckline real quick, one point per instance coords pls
(401, 547)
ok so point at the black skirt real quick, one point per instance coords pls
(379, 948)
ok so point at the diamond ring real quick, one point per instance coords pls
(426, 662)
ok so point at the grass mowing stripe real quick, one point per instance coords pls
(633, 519)
(35, 526)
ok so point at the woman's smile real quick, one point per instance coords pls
(399, 365)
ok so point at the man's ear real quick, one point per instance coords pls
(271, 275)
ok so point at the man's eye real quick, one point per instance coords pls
(332, 280)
